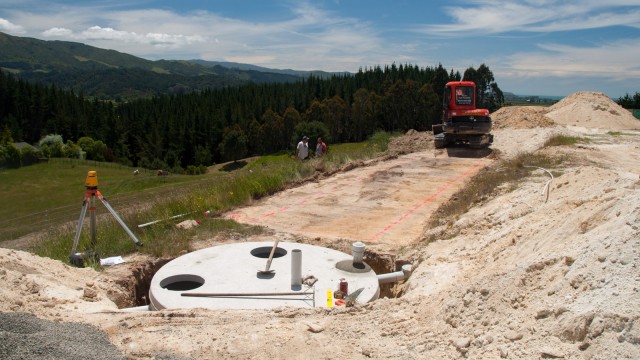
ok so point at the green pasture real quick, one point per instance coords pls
(38, 196)
(45, 199)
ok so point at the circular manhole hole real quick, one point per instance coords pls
(263, 252)
(182, 282)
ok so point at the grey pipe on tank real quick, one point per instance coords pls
(296, 268)
(396, 276)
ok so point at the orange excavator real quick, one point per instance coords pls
(462, 123)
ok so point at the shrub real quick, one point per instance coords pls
(12, 156)
(54, 143)
(28, 156)
(560, 140)
(71, 150)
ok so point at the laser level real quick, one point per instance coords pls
(89, 203)
(91, 182)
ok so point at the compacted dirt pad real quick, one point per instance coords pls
(387, 202)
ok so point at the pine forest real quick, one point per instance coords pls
(201, 128)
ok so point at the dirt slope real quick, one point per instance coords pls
(524, 279)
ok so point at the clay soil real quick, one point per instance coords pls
(383, 202)
(521, 277)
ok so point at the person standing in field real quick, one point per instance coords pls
(321, 148)
(302, 150)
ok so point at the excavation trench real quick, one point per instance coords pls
(383, 263)
(134, 289)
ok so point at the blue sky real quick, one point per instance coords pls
(536, 47)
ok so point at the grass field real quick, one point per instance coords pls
(38, 196)
(46, 199)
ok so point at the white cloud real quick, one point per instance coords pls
(99, 33)
(614, 61)
(57, 33)
(109, 34)
(8, 26)
(499, 16)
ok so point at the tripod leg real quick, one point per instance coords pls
(115, 215)
(92, 221)
(83, 212)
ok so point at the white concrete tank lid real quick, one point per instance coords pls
(231, 270)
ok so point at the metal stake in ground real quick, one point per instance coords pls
(273, 251)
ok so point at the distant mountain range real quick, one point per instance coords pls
(109, 74)
(510, 95)
(249, 67)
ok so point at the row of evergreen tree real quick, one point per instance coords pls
(629, 102)
(172, 132)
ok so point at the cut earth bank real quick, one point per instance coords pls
(515, 277)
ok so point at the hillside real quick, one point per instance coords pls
(518, 276)
(109, 73)
(240, 66)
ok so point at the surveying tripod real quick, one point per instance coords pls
(89, 203)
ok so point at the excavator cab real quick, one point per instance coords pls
(462, 123)
(460, 95)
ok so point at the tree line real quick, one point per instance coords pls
(201, 128)
(629, 102)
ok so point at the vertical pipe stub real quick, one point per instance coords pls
(357, 249)
(296, 268)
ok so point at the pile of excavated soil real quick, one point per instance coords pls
(529, 279)
(30, 283)
(412, 141)
(592, 110)
(583, 109)
(521, 117)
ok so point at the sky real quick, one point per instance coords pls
(533, 47)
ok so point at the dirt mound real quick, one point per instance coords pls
(585, 109)
(411, 141)
(30, 283)
(592, 110)
(521, 117)
(531, 279)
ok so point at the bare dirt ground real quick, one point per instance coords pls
(524, 278)
(384, 202)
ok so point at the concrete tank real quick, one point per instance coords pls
(231, 276)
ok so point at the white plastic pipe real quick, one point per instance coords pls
(296, 267)
(137, 308)
(545, 190)
(157, 221)
(357, 249)
(396, 276)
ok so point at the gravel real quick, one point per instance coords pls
(24, 336)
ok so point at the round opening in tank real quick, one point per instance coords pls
(182, 282)
(263, 252)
